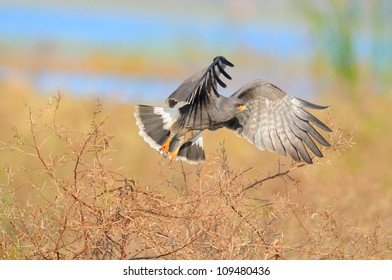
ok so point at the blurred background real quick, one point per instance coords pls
(126, 52)
(330, 52)
(336, 53)
(142, 50)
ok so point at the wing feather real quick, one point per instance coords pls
(202, 85)
(265, 124)
(278, 122)
(302, 114)
(278, 134)
(306, 138)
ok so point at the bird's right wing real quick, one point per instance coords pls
(278, 122)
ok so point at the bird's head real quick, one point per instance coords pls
(229, 107)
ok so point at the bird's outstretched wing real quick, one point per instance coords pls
(202, 86)
(278, 122)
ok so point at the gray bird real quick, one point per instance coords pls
(259, 111)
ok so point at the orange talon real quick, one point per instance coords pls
(165, 147)
(173, 155)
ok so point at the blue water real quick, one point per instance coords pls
(133, 29)
(103, 85)
(83, 30)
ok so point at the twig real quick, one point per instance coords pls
(192, 240)
(269, 177)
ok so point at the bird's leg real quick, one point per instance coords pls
(172, 155)
(173, 144)
(177, 143)
(164, 149)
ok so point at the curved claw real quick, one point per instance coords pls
(172, 155)
(164, 149)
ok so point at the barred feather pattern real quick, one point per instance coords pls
(278, 122)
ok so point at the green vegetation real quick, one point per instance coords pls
(353, 42)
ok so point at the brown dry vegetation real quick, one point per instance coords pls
(77, 182)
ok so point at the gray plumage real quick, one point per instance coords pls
(278, 122)
(260, 112)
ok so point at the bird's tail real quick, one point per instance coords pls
(155, 124)
(192, 150)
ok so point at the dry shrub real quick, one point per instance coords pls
(65, 200)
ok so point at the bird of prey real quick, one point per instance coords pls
(259, 111)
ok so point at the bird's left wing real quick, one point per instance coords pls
(278, 122)
(202, 86)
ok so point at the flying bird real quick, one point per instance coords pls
(259, 112)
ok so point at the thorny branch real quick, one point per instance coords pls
(97, 213)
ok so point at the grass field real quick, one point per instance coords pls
(78, 182)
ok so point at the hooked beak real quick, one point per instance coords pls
(242, 108)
